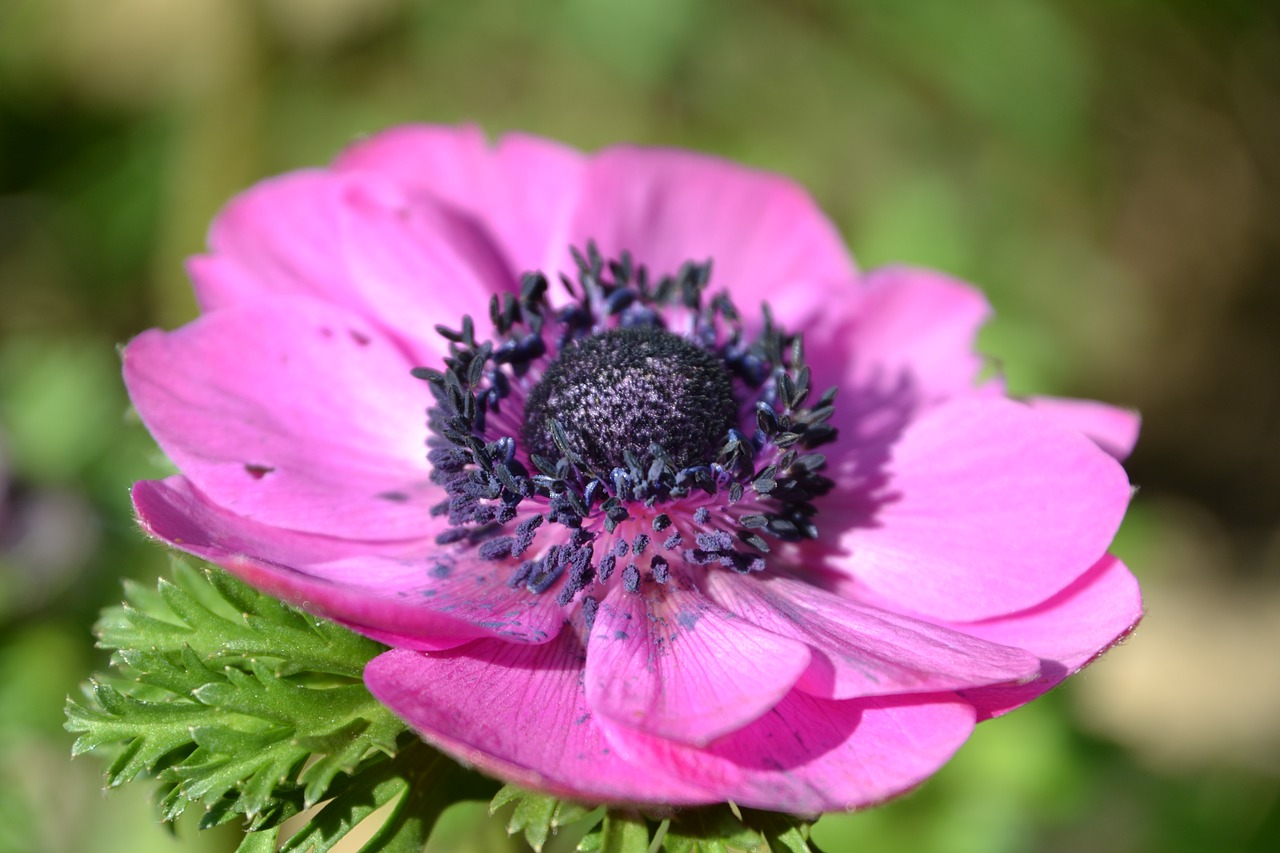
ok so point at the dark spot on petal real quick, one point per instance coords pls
(394, 497)
(257, 472)
(360, 337)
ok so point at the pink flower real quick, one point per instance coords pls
(794, 602)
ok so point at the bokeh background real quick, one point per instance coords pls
(1107, 171)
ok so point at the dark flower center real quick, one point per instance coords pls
(636, 450)
(626, 390)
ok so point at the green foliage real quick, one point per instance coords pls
(618, 832)
(707, 829)
(538, 816)
(223, 620)
(248, 708)
(725, 828)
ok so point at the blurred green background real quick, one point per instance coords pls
(1107, 171)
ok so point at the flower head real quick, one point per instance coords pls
(699, 512)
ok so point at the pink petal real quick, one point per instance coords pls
(1113, 429)
(673, 664)
(520, 713)
(899, 342)
(280, 237)
(763, 233)
(900, 326)
(416, 263)
(984, 507)
(1068, 631)
(297, 413)
(522, 189)
(860, 650)
(405, 263)
(812, 755)
(416, 594)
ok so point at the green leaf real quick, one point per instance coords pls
(784, 833)
(723, 828)
(708, 829)
(536, 815)
(366, 793)
(247, 733)
(532, 815)
(619, 832)
(219, 617)
(712, 829)
(263, 841)
(250, 709)
(428, 777)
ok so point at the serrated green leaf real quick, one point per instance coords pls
(506, 794)
(263, 841)
(380, 783)
(536, 815)
(341, 752)
(532, 816)
(339, 726)
(239, 596)
(223, 740)
(147, 599)
(185, 607)
(151, 730)
(224, 706)
(181, 676)
(220, 617)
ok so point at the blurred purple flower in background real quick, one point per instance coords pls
(47, 537)
(646, 555)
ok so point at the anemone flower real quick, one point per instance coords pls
(698, 510)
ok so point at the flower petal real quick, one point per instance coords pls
(813, 755)
(985, 507)
(402, 261)
(417, 263)
(519, 712)
(671, 663)
(860, 650)
(413, 594)
(902, 326)
(299, 414)
(280, 237)
(899, 343)
(1113, 429)
(1068, 631)
(762, 233)
(522, 189)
